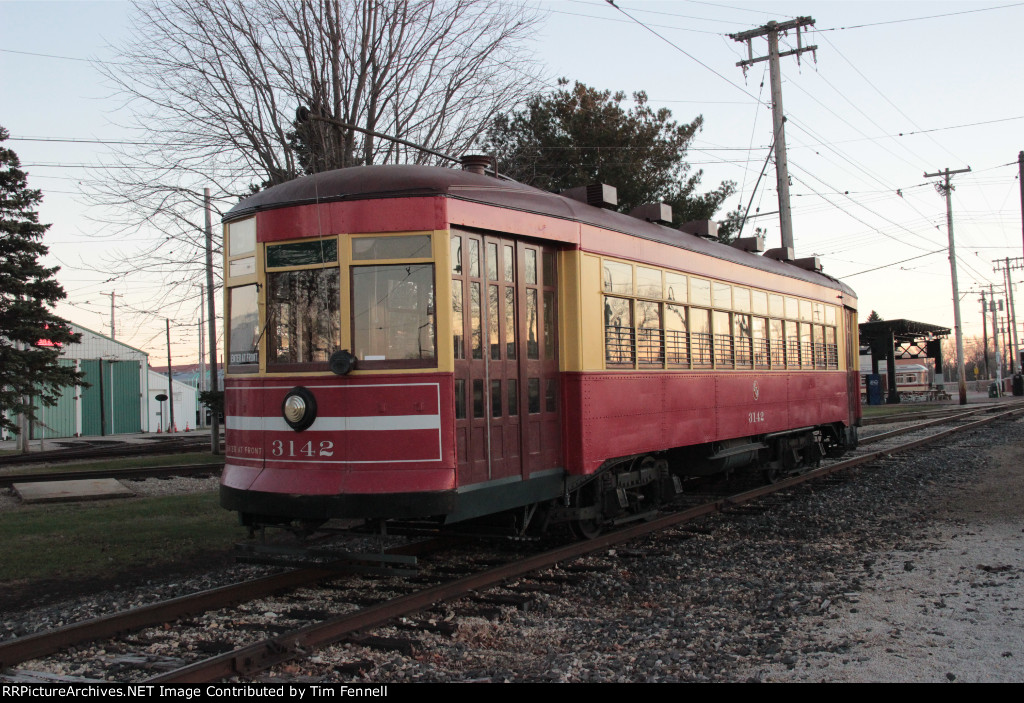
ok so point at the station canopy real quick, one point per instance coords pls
(909, 338)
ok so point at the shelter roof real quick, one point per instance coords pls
(901, 330)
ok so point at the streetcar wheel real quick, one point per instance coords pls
(585, 529)
(588, 528)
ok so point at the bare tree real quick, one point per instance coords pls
(211, 88)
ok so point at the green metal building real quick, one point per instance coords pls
(116, 400)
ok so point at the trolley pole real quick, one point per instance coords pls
(771, 31)
(946, 189)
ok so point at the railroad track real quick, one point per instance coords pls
(252, 657)
(207, 469)
(932, 413)
(110, 448)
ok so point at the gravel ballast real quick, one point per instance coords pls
(908, 570)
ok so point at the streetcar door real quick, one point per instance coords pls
(538, 369)
(484, 305)
(505, 358)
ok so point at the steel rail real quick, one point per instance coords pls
(175, 446)
(942, 420)
(43, 644)
(7, 480)
(263, 655)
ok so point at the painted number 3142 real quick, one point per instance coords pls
(756, 416)
(289, 448)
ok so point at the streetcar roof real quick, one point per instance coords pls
(404, 181)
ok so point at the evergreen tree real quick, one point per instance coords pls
(30, 333)
(580, 135)
(874, 317)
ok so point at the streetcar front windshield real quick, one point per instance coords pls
(393, 313)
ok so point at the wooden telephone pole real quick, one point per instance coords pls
(946, 189)
(771, 31)
(1007, 265)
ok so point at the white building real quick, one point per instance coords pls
(186, 404)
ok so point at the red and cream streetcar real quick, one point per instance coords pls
(431, 343)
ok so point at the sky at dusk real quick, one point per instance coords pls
(896, 90)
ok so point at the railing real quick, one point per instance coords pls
(677, 351)
(649, 347)
(618, 345)
(657, 348)
(700, 349)
(724, 350)
(762, 353)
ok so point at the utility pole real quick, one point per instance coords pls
(984, 333)
(771, 31)
(995, 340)
(212, 322)
(1009, 265)
(22, 439)
(112, 296)
(170, 378)
(1020, 178)
(201, 379)
(946, 190)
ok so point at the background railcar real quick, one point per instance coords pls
(419, 342)
(913, 381)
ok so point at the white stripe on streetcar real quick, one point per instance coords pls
(338, 424)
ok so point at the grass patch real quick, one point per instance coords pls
(98, 540)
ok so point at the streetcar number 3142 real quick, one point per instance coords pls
(756, 416)
(289, 448)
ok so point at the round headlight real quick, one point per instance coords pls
(299, 408)
(294, 408)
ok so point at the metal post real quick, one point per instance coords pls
(22, 438)
(170, 377)
(201, 380)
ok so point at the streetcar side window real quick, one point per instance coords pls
(720, 325)
(243, 336)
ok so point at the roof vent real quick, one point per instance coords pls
(754, 244)
(810, 263)
(596, 194)
(653, 212)
(708, 229)
(476, 163)
(780, 254)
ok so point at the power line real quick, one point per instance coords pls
(64, 58)
(927, 17)
(895, 263)
(683, 51)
